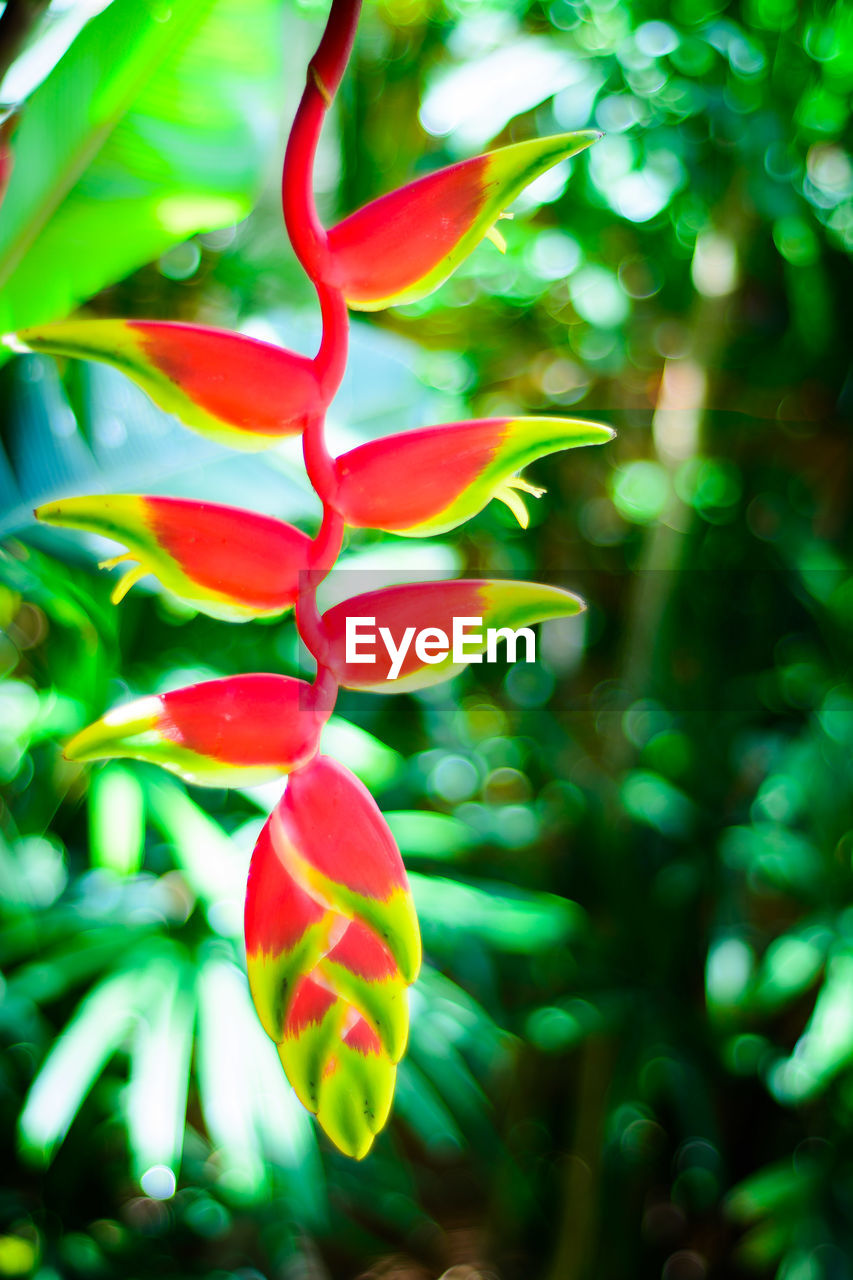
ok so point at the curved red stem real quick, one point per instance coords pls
(310, 243)
(307, 234)
(309, 624)
(325, 693)
(331, 359)
(329, 62)
(319, 463)
(326, 547)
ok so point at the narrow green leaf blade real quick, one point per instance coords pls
(116, 820)
(224, 1077)
(159, 1073)
(74, 1063)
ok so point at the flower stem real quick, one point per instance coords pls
(307, 234)
(310, 242)
(325, 693)
(326, 547)
(329, 62)
(319, 463)
(309, 624)
(331, 358)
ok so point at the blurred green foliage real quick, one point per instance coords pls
(632, 1048)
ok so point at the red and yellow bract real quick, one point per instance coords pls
(405, 244)
(419, 606)
(230, 563)
(233, 732)
(237, 390)
(433, 479)
(331, 944)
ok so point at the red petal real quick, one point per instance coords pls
(418, 604)
(309, 1006)
(251, 385)
(277, 911)
(249, 557)
(334, 822)
(363, 1039)
(403, 245)
(243, 720)
(375, 253)
(403, 480)
(360, 951)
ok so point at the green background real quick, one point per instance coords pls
(631, 1047)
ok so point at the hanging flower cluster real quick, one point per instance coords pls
(332, 939)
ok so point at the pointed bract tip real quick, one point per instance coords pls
(603, 432)
(14, 343)
(47, 511)
(586, 138)
(104, 738)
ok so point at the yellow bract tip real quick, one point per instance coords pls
(112, 561)
(510, 494)
(126, 581)
(497, 239)
(518, 482)
(515, 503)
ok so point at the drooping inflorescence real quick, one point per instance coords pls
(332, 938)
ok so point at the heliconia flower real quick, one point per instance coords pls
(237, 390)
(233, 732)
(431, 480)
(405, 244)
(332, 943)
(404, 662)
(229, 563)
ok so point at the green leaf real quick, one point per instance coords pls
(54, 972)
(790, 965)
(376, 764)
(446, 1069)
(159, 1073)
(437, 836)
(505, 918)
(224, 1070)
(826, 1046)
(144, 133)
(424, 1112)
(116, 820)
(775, 1189)
(208, 858)
(74, 1063)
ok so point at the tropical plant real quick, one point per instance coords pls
(332, 939)
(629, 1050)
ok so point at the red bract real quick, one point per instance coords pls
(233, 732)
(230, 563)
(431, 480)
(403, 657)
(332, 942)
(245, 393)
(405, 244)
